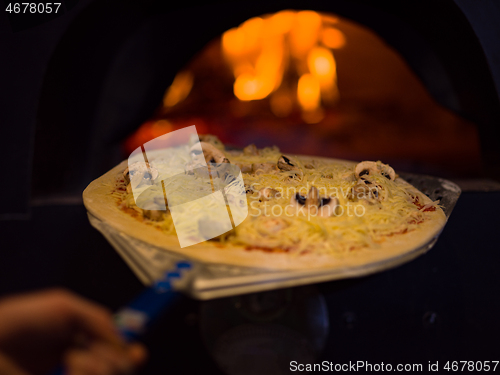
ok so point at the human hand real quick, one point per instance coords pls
(41, 330)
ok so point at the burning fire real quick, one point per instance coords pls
(286, 57)
(179, 89)
(262, 50)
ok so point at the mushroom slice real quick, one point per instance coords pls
(328, 206)
(287, 164)
(312, 198)
(349, 177)
(249, 189)
(261, 168)
(251, 150)
(298, 200)
(313, 204)
(245, 168)
(213, 140)
(268, 193)
(210, 153)
(365, 189)
(154, 215)
(366, 168)
(153, 212)
(126, 176)
(140, 172)
(203, 154)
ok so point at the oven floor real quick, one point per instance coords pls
(442, 307)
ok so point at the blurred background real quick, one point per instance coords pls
(412, 87)
(316, 84)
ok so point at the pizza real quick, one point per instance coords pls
(302, 212)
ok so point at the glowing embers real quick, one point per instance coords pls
(290, 46)
(179, 89)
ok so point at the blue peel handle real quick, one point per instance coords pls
(134, 319)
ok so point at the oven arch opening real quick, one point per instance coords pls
(318, 84)
(126, 56)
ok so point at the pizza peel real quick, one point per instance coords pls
(136, 318)
(214, 280)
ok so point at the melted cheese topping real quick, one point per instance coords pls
(274, 225)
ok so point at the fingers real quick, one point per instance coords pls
(8, 367)
(39, 329)
(104, 359)
(138, 354)
(86, 316)
(56, 311)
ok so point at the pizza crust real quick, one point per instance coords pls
(100, 203)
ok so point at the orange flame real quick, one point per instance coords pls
(332, 38)
(179, 89)
(308, 92)
(262, 49)
(322, 65)
(305, 32)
